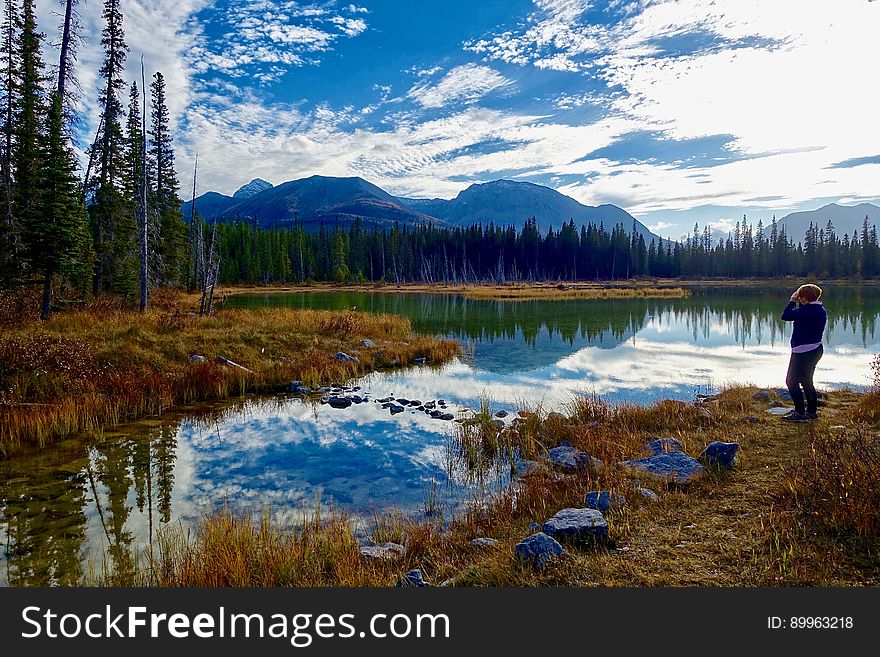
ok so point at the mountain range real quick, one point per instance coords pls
(321, 199)
(846, 219)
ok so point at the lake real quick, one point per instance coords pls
(82, 504)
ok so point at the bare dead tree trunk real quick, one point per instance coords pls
(63, 66)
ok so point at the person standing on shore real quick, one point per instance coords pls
(809, 317)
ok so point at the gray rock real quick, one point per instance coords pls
(534, 527)
(435, 414)
(762, 395)
(382, 551)
(431, 405)
(413, 578)
(577, 525)
(395, 409)
(367, 343)
(648, 494)
(357, 399)
(196, 358)
(537, 550)
(415, 402)
(385, 400)
(663, 445)
(447, 416)
(571, 459)
(302, 390)
(421, 360)
(720, 454)
(339, 402)
(525, 467)
(501, 413)
(677, 467)
(484, 542)
(345, 358)
(603, 500)
(402, 401)
(783, 394)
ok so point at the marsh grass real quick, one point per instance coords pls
(86, 369)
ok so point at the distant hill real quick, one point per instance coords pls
(311, 201)
(325, 199)
(508, 202)
(846, 219)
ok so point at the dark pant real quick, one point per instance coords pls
(800, 375)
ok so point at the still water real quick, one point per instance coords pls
(84, 503)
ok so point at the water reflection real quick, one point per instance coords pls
(82, 505)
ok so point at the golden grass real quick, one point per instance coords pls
(752, 526)
(508, 292)
(87, 369)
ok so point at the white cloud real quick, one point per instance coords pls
(463, 84)
(660, 225)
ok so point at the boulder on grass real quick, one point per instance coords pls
(413, 578)
(676, 467)
(571, 459)
(577, 526)
(537, 550)
(648, 494)
(603, 500)
(663, 445)
(719, 454)
(384, 551)
(484, 542)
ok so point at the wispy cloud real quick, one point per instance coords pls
(462, 85)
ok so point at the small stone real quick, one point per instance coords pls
(413, 578)
(762, 395)
(382, 551)
(525, 467)
(339, 402)
(357, 399)
(385, 400)
(537, 550)
(431, 405)
(501, 413)
(720, 454)
(663, 445)
(648, 494)
(783, 394)
(577, 525)
(484, 542)
(603, 500)
(196, 358)
(395, 409)
(402, 401)
(570, 459)
(345, 358)
(367, 343)
(421, 360)
(415, 402)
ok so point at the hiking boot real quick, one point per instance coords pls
(812, 416)
(795, 417)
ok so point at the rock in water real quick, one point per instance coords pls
(662, 445)
(674, 466)
(339, 402)
(413, 578)
(577, 525)
(382, 551)
(603, 500)
(537, 550)
(720, 454)
(571, 459)
(501, 413)
(395, 409)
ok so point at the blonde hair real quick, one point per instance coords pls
(810, 292)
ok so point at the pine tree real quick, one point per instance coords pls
(166, 187)
(113, 222)
(57, 232)
(10, 237)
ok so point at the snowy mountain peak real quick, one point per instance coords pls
(253, 188)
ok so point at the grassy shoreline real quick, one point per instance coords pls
(772, 520)
(89, 369)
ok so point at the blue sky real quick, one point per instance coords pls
(676, 110)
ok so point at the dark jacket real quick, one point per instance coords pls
(809, 322)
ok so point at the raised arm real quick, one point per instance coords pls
(791, 312)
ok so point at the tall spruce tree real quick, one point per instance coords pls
(113, 223)
(166, 187)
(10, 237)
